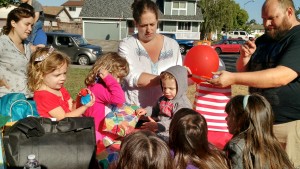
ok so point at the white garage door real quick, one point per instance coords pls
(102, 31)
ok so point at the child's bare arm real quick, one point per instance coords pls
(77, 102)
(59, 112)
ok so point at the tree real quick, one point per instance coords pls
(298, 12)
(242, 17)
(5, 3)
(221, 14)
(252, 21)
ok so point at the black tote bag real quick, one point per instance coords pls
(68, 143)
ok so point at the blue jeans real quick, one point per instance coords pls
(38, 25)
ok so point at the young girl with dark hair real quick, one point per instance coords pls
(250, 121)
(188, 140)
(143, 149)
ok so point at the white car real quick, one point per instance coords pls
(240, 35)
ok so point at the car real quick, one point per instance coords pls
(184, 45)
(240, 35)
(228, 45)
(75, 46)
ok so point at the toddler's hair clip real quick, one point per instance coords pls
(43, 57)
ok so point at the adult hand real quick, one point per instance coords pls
(247, 49)
(188, 70)
(223, 79)
(246, 52)
(3, 83)
(190, 74)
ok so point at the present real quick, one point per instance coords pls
(121, 119)
(109, 155)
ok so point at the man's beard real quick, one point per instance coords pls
(280, 31)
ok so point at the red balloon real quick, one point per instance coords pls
(202, 61)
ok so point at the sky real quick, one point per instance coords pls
(253, 7)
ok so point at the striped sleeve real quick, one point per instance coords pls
(210, 102)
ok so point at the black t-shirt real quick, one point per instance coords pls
(285, 100)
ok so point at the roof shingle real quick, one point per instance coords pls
(73, 3)
(52, 10)
(121, 9)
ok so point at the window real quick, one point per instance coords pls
(234, 42)
(242, 42)
(179, 5)
(242, 33)
(72, 8)
(179, 8)
(184, 26)
(63, 40)
(49, 40)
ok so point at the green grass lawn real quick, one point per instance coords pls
(75, 80)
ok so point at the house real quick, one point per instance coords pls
(3, 14)
(112, 20)
(54, 14)
(257, 29)
(74, 8)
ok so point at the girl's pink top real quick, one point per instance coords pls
(110, 93)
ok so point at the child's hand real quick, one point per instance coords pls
(84, 96)
(151, 125)
(103, 73)
(91, 103)
(140, 112)
(83, 92)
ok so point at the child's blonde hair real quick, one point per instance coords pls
(113, 63)
(42, 62)
(166, 75)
